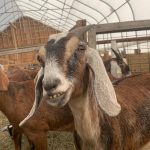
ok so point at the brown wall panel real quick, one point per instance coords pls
(27, 32)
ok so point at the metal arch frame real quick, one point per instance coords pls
(43, 4)
(44, 11)
(128, 2)
(8, 17)
(18, 7)
(37, 16)
(44, 7)
(5, 4)
(45, 19)
(104, 17)
(81, 12)
(46, 16)
(47, 12)
(115, 10)
(39, 4)
(52, 21)
(67, 12)
(48, 24)
(61, 14)
(55, 11)
(111, 8)
(23, 10)
(33, 10)
(93, 9)
(11, 19)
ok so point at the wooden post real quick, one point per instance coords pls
(82, 23)
(92, 37)
(12, 27)
(27, 32)
(114, 45)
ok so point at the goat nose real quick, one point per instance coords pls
(51, 85)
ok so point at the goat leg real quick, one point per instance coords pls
(39, 141)
(17, 136)
(77, 141)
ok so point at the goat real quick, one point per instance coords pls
(49, 116)
(72, 73)
(116, 66)
(16, 99)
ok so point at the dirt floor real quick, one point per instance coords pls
(57, 140)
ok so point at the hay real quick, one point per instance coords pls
(56, 140)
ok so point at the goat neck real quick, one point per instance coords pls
(86, 118)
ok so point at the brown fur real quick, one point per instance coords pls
(21, 92)
(17, 102)
(130, 130)
(22, 101)
(21, 74)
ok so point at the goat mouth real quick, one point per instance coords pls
(56, 99)
(56, 96)
(60, 99)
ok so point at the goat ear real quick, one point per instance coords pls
(117, 54)
(38, 95)
(4, 81)
(103, 88)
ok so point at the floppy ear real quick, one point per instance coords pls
(38, 96)
(4, 81)
(103, 88)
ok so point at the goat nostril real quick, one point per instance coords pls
(48, 86)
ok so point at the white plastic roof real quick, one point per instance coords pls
(62, 14)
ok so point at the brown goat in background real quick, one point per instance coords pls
(16, 102)
(73, 73)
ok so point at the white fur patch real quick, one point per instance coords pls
(58, 36)
(52, 72)
(115, 70)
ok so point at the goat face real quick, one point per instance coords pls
(117, 66)
(63, 68)
(62, 73)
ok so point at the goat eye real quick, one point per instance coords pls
(82, 46)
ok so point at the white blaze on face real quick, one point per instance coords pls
(52, 71)
(115, 70)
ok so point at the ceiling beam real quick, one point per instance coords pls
(123, 26)
(145, 38)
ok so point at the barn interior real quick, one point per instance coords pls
(25, 27)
